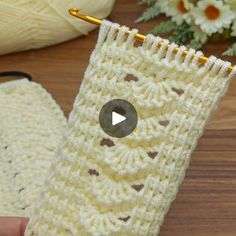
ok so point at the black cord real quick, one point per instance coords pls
(16, 73)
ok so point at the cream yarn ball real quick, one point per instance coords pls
(29, 24)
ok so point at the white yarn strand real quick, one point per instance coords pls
(35, 24)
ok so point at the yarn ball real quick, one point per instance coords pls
(31, 24)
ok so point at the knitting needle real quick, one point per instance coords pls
(75, 12)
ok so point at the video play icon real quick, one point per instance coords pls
(118, 118)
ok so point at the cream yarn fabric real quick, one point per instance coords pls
(28, 24)
(100, 185)
(31, 125)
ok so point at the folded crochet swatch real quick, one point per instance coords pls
(31, 125)
(100, 185)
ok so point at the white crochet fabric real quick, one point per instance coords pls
(31, 124)
(100, 185)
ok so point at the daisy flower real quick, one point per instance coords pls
(162, 4)
(212, 15)
(188, 4)
(176, 9)
(199, 35)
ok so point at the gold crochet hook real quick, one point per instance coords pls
(140, 37)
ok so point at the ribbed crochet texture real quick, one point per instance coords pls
(100, 185)
(31, 125)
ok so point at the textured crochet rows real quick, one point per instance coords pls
(30, 129)
(100, 185)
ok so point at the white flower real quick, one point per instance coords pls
(176, 9)
(212, 16)
(233, 33)
(188, 4)
(199, 35)
(231, 3)
(162, 4)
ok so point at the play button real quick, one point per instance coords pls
(118, 118)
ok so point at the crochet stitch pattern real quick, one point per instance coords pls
(100, 185)
(30, 129)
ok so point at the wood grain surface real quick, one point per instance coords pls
(206, 203)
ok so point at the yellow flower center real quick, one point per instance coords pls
(182, 7)
(212, 13)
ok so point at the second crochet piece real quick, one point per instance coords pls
(31, 125)
(100, 185)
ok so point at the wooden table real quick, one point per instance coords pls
(206, 203)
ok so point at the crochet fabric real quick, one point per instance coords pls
(100, 185)
(31, 124)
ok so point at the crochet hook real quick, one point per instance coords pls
(140, 37)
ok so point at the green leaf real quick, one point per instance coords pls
(148, 2)
(164, 27)
(231, 51)
(226, 33)
(182, 34)
(195, 44)
(149, 14)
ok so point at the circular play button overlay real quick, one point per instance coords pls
(118, 118)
